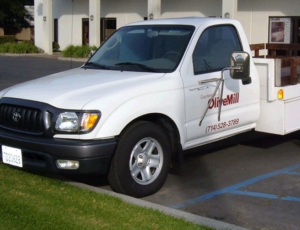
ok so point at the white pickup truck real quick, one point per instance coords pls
(152, 90)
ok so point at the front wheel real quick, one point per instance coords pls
(141, 162)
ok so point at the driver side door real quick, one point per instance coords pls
(210, 56)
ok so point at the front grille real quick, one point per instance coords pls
(21, 118)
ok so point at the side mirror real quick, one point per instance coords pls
(240, 60)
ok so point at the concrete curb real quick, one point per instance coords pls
(73, 59)
(168, 211)
(40, 55)
(43, 55)
(18, 55)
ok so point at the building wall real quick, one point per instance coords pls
(70, 20)
(70, 17)
(38, 23)
(125, 11)
(254, 16)
(25, 34)
(188, 8)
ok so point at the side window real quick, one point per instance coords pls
(213, 50)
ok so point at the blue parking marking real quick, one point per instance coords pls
(270, 196)
(233, 189)
(293, 173)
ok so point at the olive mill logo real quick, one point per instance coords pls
(229, 100)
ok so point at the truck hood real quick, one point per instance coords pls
(74, 88)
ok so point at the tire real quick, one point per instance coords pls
(141, 162)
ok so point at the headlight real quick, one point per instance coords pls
(67, 122)
(76, 122)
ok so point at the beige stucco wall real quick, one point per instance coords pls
(254, 16)
(25, 34)
(20, 34)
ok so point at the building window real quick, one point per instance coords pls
(85, 31)
(108, 27)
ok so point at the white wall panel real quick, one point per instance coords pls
(38, 23)
(125, 11)
(188, 8)
(70, 20)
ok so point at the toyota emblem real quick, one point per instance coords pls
(16, 117)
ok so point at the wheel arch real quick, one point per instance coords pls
(171, 130)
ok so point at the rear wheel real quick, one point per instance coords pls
(141, 162)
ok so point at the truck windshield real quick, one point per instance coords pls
(150, 48)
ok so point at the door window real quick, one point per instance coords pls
(213, 50)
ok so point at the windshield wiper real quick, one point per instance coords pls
(140, 65)
(95, 64)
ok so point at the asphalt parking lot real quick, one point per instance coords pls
(254, 183)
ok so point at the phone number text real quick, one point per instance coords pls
(222, 125)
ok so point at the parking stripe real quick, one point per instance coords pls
(293, 173)
(234, 187)
(257, 194)
(264, 195)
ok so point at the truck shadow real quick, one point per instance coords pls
(265, 141)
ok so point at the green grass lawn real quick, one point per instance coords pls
(29, 201)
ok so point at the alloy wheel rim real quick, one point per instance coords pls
(146, 161)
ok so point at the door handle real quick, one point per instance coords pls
(208, 80)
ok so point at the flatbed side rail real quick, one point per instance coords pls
(276, 50)
(256, 48)
(287, 66)
(290, 71)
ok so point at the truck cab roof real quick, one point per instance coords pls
(192, 21)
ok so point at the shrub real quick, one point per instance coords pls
(20, 48)
(55, 46)
(29, 42)
(7, 39)
(78, 51)
(4, 48)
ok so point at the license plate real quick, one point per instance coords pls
(12, 156)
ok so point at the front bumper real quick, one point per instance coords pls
(41, 153)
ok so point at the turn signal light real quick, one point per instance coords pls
(88, 121)
(280, 94)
